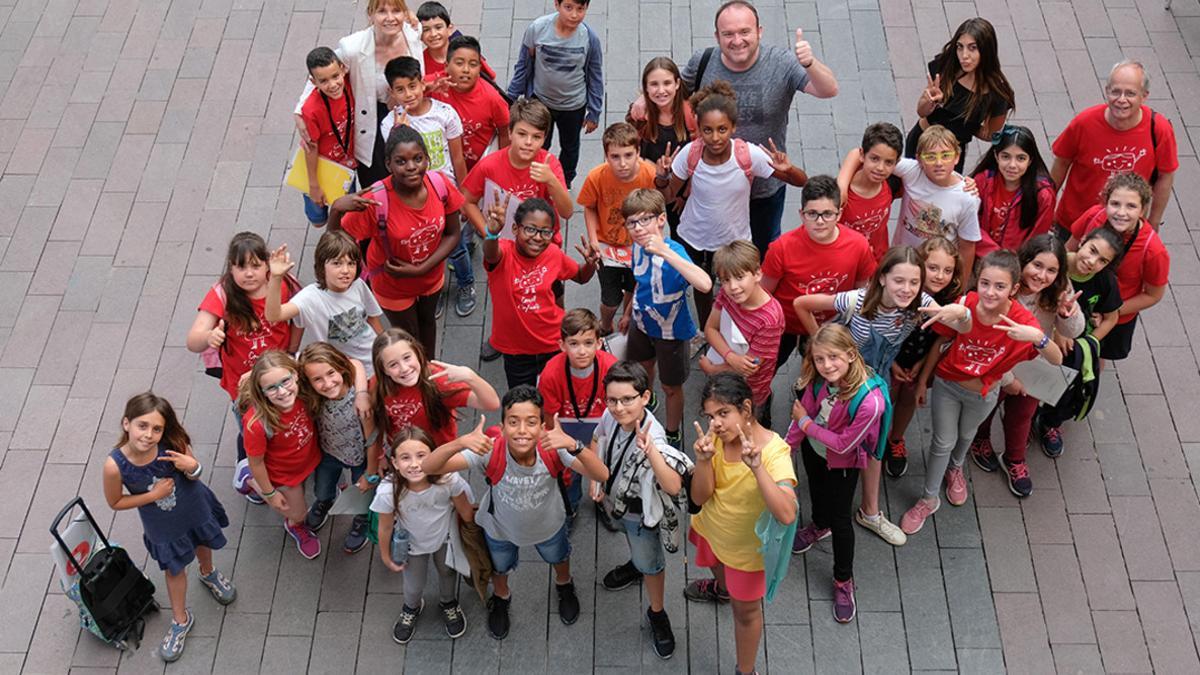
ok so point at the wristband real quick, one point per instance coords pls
(725, 355)
(268, 495)
(492, 237)
(373, 479)
(195, 472)
(1045, 341)
(574, 452)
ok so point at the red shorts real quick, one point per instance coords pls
(742, 585)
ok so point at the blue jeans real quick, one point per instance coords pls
(241, 442)
(766, 214)
(317, 215)
(555, 550)
(645, 547)
(460, 258)
(327, 474)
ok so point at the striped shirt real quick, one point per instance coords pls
(893, 324)
(763, 327)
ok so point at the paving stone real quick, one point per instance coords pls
(1008, 561)
(1122, 645)
(1141, 539)
(1100, 560)
(1023, 632)
(1061, 589)
(969, 598)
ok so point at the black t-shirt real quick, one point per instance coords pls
(1100, 294)
(952, 112)
(918, 343)
(652, 151)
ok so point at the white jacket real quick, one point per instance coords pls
(357, 51)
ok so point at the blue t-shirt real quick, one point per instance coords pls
(660, 307)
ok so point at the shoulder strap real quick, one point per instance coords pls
(556, 469)
(741, 152)
(702, 66)
(695, 153)
(497, 462)
(1153, 147)
(438, 180)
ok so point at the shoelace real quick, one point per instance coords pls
(451, 612)
(899, 450)
(407, 618)
(1054, 435)
(1018, 470)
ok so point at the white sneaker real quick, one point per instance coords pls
(883, 527)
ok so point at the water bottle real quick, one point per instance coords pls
(399, 545)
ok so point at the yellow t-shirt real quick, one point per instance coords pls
(727, 519)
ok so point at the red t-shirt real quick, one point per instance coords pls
(321, 127)
(985, 352)
(803, 266)
(522, 294)
(869, 217)
(292, 453)
(1000, 214)
(1145, 263)
(406, 408)
(242, 348)
(434, 68)
(516, 182)
(762, 327)
(413, 235)
(557, 395)
(1097, 151)
(483, 111)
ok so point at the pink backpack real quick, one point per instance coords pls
(741, 152)
(379, 193)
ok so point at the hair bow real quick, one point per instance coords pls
(1006, 130)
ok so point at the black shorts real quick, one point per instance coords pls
(1119, 341)
(525, 368)
(615, 282)
(670, 355)
(702, 259)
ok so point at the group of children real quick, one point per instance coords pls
(973, 283)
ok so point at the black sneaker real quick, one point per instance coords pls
(984, 456)
(497, 618)
(706, 590)
(662, 637)
(675, 438)
(464, 301)
(568, 602)
(456, 621)
(1051, 438)
(604, 519)
(440, 308)
(622, 576)
(402, 632)
(318, 513)
(487, 352)
(356, 538)
(897, 458)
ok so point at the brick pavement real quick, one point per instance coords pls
(138, 136)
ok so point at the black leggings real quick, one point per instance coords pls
(420, 322)
(832, 493)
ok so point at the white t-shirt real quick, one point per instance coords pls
(928, 209)
(437, 127)
(339, 318)
(426, 515)
(718, 209)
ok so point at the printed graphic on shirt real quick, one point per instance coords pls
(1000, 211)
(525, 289)
(560, 58)
(471, 129)
(347, 325)
(424, 238)
(827, 281)
(523, 493)
(658, 296)
(867, 223)
(435, 145)
(925, 221)
(1120, 159)
(979, 356)
(258, 341)
(165, 503)
(401, 413)
(301, 430)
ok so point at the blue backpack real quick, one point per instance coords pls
(885, 422)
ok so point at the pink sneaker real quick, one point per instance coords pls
(306, 542)
(914, 518)
(956, 486)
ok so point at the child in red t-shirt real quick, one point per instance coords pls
(411, 390)
(436, 33)
(483, 110)
(522, 273)
(327, 116)
(281, 444)
(406, 265)
(868, 187)
(1144, 261)
(989, 334)
(1016, 195)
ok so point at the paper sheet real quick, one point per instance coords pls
(1043, 380)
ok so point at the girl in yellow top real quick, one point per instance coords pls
(742, 469)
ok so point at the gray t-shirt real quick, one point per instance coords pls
(558, 77)
(764, 98)
(528, 508)
(340, 432)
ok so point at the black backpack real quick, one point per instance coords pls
(113, 594)
(1077, 401)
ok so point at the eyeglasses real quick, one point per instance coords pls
(531, 231)
(819, 216)
(635, 223)
(945, 156)
(274, 389)
(1117, 94)
(623, 401)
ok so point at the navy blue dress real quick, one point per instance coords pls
(172, 527)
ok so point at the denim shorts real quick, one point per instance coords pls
(645, 547)
(554, 550)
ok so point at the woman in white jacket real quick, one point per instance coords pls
(393, 32)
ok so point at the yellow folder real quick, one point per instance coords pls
(335, 180)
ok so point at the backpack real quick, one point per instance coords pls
(1154, 148)
(498, 461)
(885, 421)
(211, 357)
(741, 152)
(378, 192)
(111, 592)
(1077, 401)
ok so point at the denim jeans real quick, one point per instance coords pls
(766, 215)
(325, 478)
(957, 414)
(460, 258)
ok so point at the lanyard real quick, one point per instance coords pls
(571, 386)
(345, 143)
(616, 470)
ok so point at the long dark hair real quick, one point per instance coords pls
(1036, 178)
(174, 435)
(989, 80)
(1046, 243)
(648, 128)
(436, 409)
(239, 311)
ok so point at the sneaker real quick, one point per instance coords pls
(440, 308)
(883, 527)
(221, 588)
(356, 538)
(402, 632)
(487, 352)
(1019, 482)
(464, 301)
(497, 618)
(807, 536)
(843, 601)
(705, 590)
(604, 519)
(306, 542)
(956, 486)
(914, 518)
(662, 637)
(255, 498)
(242, 476)
(456, 621)
(172, 644)
(984, 456)
(675, 438)
(318, 513)
(568, 602)
(897, 458)
(622, 576)
(1052, 443)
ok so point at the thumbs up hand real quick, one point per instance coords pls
(216, 336)
(804, 53)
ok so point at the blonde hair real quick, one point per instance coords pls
(736, 258)
(251, 394)
(937, 135)
(642, 200)
(835, 336)
(376, 5)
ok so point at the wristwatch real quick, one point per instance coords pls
(579, 446)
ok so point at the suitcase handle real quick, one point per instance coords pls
(78, 501)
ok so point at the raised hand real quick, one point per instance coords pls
(643, 440)
(477, 441)
(554, 437)
(933, 89)
(540, 172)
(182, 461)
(1019, 331)
(779, 158)
(663, 165)
(451, 372)
(751, 454)
(704, 447)
(804, 52)
(588, 250)
(497, 212)
(355, 201)
(216, 336)
(947, 314)
(1068, 303)
(281, 261)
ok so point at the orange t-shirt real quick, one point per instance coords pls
(602, 191)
